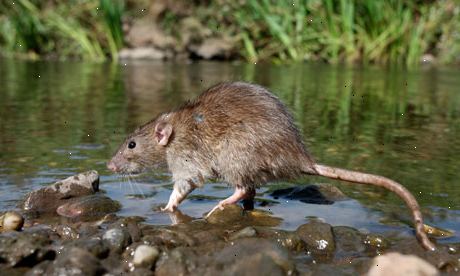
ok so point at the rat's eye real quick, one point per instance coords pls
(132, 145)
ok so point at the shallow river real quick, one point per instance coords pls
(57, 119)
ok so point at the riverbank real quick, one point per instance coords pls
(403, 32)
(71, 227)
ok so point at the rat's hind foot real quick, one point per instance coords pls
(238, 195)
(169, 208)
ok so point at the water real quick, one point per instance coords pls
(57, 119)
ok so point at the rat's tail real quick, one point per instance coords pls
(376, 180)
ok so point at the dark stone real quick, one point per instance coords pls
(47, 199)
(66, 232)
(117, 239)
(167, 238)
(315, 194)
(94, 245)
(348, 240)
(287, 239)
(75, 261)
(25, 248)
(39, 269)
(318, 237)
(254, 256)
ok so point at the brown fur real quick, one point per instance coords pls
(242, 134)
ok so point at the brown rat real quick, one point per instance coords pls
(239, 133)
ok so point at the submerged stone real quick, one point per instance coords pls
(315, 194)
(47, 199)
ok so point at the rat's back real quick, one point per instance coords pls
(246, 135)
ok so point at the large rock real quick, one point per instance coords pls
(396, 264)
(88, 208)
(47, 199)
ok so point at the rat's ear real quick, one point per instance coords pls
(163, 132)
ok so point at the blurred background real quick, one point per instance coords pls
(407, 32)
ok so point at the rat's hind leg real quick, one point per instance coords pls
(239, 194)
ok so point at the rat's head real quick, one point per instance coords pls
(142, 150)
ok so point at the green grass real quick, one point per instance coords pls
(67, 29)
(369, 31)
(366, 31)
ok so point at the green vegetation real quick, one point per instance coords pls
(343, 30)
(85, 29)
(369, 31)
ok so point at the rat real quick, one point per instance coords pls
(241, 134)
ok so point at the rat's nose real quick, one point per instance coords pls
(111, 166)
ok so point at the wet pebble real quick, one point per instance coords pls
(374, 241)
(145, 256)
(117, 239)
(319, 238)
(66, 232)
(348, 240)
(11, 221)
